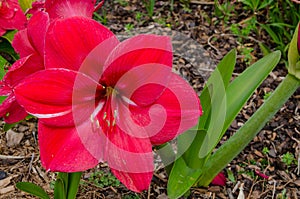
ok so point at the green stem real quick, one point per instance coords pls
(228, 151)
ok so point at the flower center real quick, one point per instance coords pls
(107, 120)
(110, 91)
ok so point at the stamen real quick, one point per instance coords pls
(97, 110)
(108, 123)
(104, 115)
(128, 101)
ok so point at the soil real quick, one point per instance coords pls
(262, 170)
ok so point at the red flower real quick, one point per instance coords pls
(101, 100)
(11, 16)
(30, 44)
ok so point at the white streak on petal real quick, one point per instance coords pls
(51, 115)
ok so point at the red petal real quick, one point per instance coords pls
(69, 41)
(178, 106)
(11, 110)
(70, 8)
(22, 44)
(23, 68)
(144, 84)
(134, 52)
(2, 31)
(5, 90)
(62, 150)
(12, 17)
(94, 62)
(130, 159)
(134, 181)
(37, 28)
(220, 180)
(49, 93)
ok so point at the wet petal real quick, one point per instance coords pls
(62, 150)
(130, 159)
(70, 8)
(22, 44)
(12, 17)
(69, 41)
(11, 111)
(144, 84)
(23, 68)
(49, 93)
(134, 181)
(177, 110)
(134, 52)
(37, 27)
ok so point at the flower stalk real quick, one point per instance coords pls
(232, 147)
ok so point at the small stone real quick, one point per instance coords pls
(13, 138)
(3, 175)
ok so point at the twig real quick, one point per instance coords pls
(236, 186)
(296, 1)
(203, 2)
(210, 44)
(7, 157)
(149, 191)
(274, 189)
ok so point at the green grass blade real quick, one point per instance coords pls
(33, 189)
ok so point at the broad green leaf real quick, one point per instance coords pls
(9, 35)
(74, 179)
(9, 126)
(213, 92)
(25, 4)
(32, 189)
(61, 186)
(241, 89)
(2, 98)
(181, 179)
(293, 56)
(2, 65)
(167, 154)
(5, 47)
(59, 189)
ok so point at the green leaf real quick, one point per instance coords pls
(265, 49)
(61, 186)
(230, 176)
(273, 35)
(2, 98)
(74, 179)
(293, 55)
(236, 143)
(32, 189)
(241, 89)
(59, 189)
(189, 165)
(9, 126)
(181, 179)
(9, 35)
(213, 93)
(5, 47)
(2, 65)
(25, 4)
